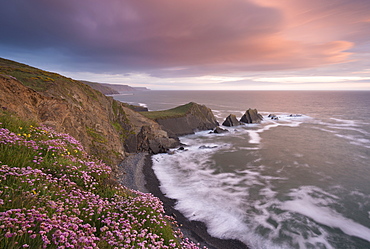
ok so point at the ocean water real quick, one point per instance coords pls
(296, 182)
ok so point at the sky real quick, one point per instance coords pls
(194, 45)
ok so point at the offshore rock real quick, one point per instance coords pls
(251, 116)
(231, 121)
(273, 117)
(218, 129)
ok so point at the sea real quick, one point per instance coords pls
(301, 181)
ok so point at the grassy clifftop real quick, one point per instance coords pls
(53, 194)
(176, 112)
(41, 80)
(184, 119)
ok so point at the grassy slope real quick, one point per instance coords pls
(56, 85)
(52, 193)
(41, 80)
(176, 112)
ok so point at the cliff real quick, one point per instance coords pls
(105, 127)
(185, 119)
(106, 90)
(124, 88)
(113, 88)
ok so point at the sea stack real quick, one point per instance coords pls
(251, 116)
(231, 121)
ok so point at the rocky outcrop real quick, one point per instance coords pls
(218, 129)
(106, 90)
(251, 116)
(231, 121)
(196, 118)
(109, 89)
(147, 136)
(273, 117)
(138, 108)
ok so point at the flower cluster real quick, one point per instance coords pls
(53, 195)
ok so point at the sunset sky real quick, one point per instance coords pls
(193, 44)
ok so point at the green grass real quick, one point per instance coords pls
(176, 112)
(34, 78)
(98, 137)
(41, 81)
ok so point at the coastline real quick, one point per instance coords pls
(194, 230)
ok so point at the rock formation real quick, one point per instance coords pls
(218, 129)
(251, 116)
(273, 117)
(195, 118)
(231, 121)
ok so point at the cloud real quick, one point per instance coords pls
(179, 38)
(313, 79)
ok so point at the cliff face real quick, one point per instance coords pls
(195, 118)
(103, 125)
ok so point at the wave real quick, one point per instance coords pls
(350, 130)
(318, 210)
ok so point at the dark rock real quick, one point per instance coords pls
(181, 148)
(251, 116)
(218, 129)
(207, 147)
(273, 116)
(139, 108)
(231, 121)
(148, 140)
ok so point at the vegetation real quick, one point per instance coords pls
(34, 78)
(176, 112)
(54, 195)
(41, 81)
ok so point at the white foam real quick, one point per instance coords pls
(143, 104)
(254, 134)
(126, 94)
(346, 129)
(318, 210)
(215, 199)
(355, 140)
(255, 138)
(345, 122)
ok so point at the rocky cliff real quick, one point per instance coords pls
(185, 119)
(109, 89)
(106, 90)
(106, 127)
